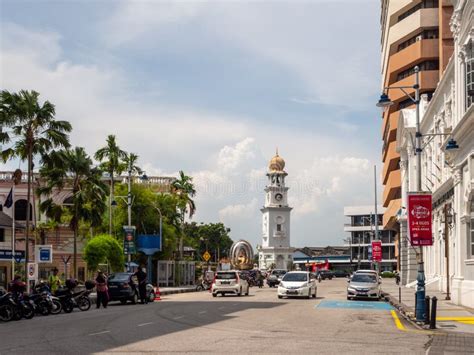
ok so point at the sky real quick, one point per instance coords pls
(213, 88)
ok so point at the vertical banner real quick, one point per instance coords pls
(377, 250)
(419, 219)
(129, 240)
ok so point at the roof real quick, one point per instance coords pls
(5, 220)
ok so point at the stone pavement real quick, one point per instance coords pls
(450, 317)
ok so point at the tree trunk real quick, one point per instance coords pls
(111, 198)
(28, 214)
(74, 258)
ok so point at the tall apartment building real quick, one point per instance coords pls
(362, 232)
(414, 33)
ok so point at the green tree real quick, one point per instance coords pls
(112, 161)
(183, 188)
(29, 129)
(73, 170)
(103, 249)
(213, 237)
(130, 162)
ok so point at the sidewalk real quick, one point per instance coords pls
(449, 316)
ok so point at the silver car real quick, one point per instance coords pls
(363, 286)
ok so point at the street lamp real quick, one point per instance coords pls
(385, 102)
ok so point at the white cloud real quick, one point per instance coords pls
(244, 210)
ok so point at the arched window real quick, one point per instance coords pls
(20, 210)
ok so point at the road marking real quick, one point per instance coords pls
(369, 305)
(221, 308)
(143, 324)
(459, 319)
(178, 317)
(235, 304)
(399, 324)
(105, 331)
(202, 312)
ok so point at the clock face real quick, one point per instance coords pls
(278, 197)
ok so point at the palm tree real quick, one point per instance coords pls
(72, 169)
(130, 162)
(31, 130)
(111, 157)
(183, 187)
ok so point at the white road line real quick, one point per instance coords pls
(234, 304)
(178, 317)
(221, 308)
(143, 324)
(105, 331)
(202, 312)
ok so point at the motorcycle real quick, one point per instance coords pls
(70, 299)
(205, 285)
(44, 301)
(24, 306)
(7, 307)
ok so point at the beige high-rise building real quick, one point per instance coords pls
(414, 33)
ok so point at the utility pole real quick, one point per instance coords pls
(446, 250)
(376, 219)
(129, 207)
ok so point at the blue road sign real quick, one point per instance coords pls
(366, 305)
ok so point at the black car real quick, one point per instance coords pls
(326, 274)
(123, 287)
(341, 273)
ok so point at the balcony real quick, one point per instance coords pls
(390, 119)
(408, 57)
(428, 81)
(389, 217)
(390, 162)
(392, 188)
(355, 228)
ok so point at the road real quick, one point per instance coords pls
(197, 322)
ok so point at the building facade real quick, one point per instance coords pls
(361, 228)
(275, 251)
(413, 33)
(448, 173)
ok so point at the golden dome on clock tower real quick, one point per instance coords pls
(276, 164)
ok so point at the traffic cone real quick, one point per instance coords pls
(157, 294)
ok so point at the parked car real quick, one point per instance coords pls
(363, 285)
(297, 284)
(340, 273)
(229, 282)
(326, 274)
(275, 277)
(123, 287)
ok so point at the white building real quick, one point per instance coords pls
(447, 174)
(361, 227)
(275, 251)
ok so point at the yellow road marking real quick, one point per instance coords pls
(397, 321)
(459, 319)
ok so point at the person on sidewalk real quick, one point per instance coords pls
(102, 289)
(142, 279)
(54, 281)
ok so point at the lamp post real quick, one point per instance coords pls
(161, 236)
(385, 103)
(448, 220)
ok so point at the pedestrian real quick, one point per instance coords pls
(102, 289)
(142, 280)
(54, 281)
(397, 278)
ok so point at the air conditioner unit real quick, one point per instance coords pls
(419, 38)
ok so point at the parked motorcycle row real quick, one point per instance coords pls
(18, 304)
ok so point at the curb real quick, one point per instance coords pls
(183, 290)
(403, 309)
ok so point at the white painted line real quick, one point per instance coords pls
(202, 312)
(235, 304)
(178, 317)
(105, 331)
(143, 324)
(221, 308)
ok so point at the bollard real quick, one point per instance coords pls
(427, 307)
(433, 313)
(399, 294)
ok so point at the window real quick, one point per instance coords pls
(426, 65)
(20, 210)
(469, 74)
(426, 34)
(425, 4)
(278, 227)
(2, 235)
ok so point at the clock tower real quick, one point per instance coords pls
(275, 251)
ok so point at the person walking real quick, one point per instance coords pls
(54, 281)
(142, 279)
(102, 289)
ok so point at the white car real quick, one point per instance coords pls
(364, 285)
(298, 284)
(229, 282)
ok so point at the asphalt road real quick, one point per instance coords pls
(197, 322)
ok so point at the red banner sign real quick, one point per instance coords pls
(419, 219)
(376, 250)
